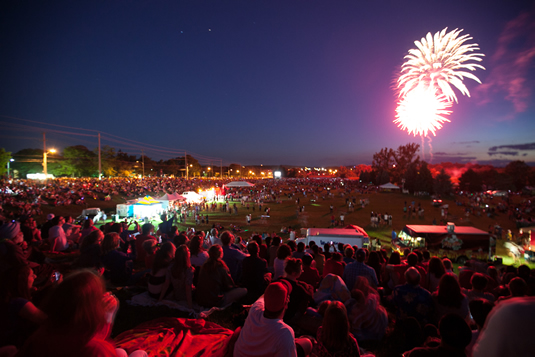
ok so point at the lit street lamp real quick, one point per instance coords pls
(8, 162)
(45, 156)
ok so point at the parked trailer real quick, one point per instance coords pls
(352, 235)
(455, 242)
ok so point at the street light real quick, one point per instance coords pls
(45, 156)
(8, 162)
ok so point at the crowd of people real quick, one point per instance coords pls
(306, 300)
(333, 300)
(22, 198)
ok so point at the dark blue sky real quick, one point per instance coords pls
(272, 82)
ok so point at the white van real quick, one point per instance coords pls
(353, 235)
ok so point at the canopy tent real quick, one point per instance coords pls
(147, 207)
(389, 186)
(239, 184)
(140, 208)
(147, 200)
(164, 198)
(171, 197)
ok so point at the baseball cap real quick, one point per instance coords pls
(276, 295)
(50, 216)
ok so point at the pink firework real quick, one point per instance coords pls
(422, 110)
(425, 83)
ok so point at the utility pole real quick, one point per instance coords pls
(187, 167)
(221, 169)
(142, 164)
(99, 161)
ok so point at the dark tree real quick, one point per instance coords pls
(519, 172)
(489, 178)
(425, 179)
(125, 163)
(382, 178)
(442, 184)
(504, 182)
(470, 181)
(383, 161)
(405, 155)
(28, 161)
(395, 163)
(77, 161)
(5, 156)
(411, 178)
(366, 177)
(107, 158)
(418, 178)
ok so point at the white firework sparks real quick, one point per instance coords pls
(439, 61)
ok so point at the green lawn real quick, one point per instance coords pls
(317, 214)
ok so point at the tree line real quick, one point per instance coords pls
(79, 161)
(404, 167)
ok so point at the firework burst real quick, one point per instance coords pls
(440, 61)
(427, 76)
(422, 110)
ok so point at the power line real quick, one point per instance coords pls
(27, 127)
(125, 140)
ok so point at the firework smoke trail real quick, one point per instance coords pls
(427, 76)
(430, 149)
(423, 148)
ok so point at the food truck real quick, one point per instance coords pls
(353, 235)
(458, 243)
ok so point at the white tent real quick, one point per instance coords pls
(171, 197)
(389, 186)
(239, 184)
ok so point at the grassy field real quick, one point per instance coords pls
(317, 214)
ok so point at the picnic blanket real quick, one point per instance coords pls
(144, 299)
(176, 337)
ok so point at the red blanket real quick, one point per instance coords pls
(171, 337)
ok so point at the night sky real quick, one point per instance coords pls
(257, 82)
